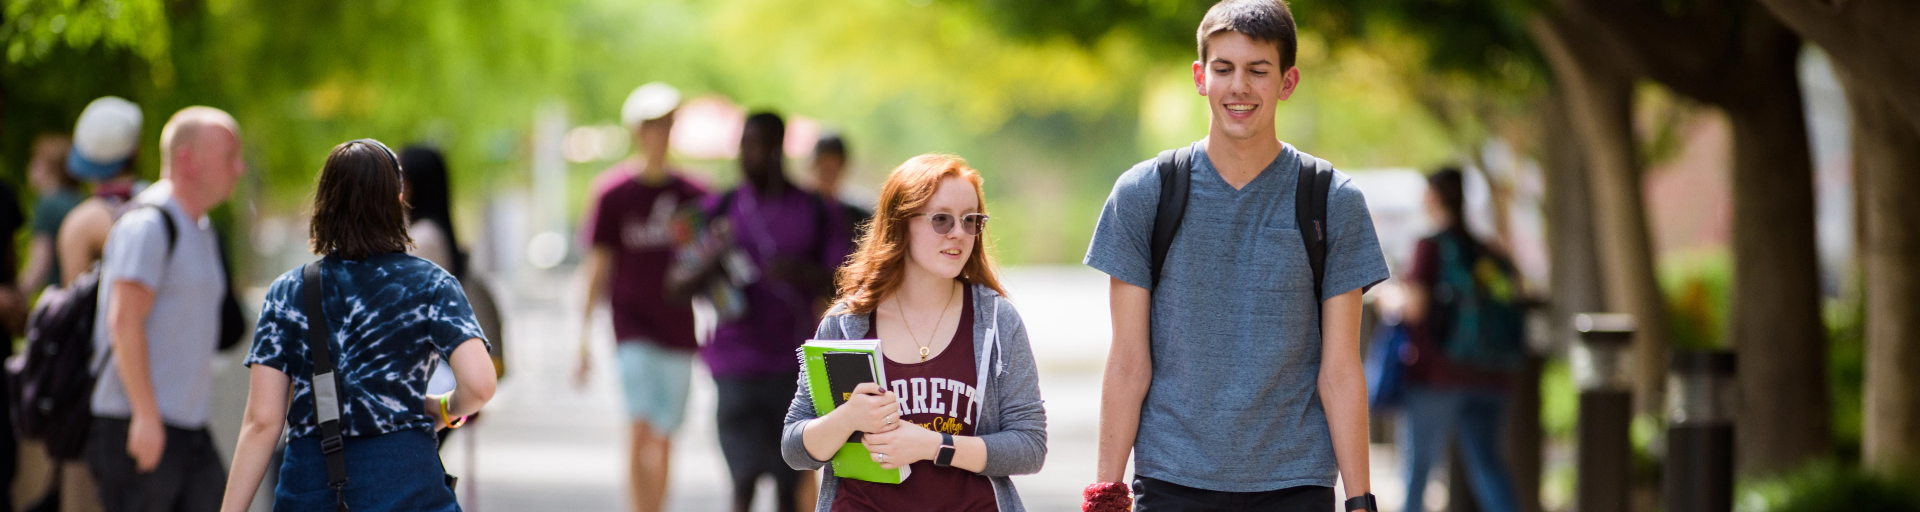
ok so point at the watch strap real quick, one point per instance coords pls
(945, 458)
(1363, 502)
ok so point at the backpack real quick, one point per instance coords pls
(710, 267)
(51, 386)
(1310, 209)
(1476, 316)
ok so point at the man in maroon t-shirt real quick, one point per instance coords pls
(628, 228)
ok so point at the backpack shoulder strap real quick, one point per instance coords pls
(1176, 179)
(1310, 210)
(326, 388)
(166, 219)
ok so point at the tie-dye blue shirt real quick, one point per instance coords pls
(391, 314)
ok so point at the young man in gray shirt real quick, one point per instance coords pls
(159, 319)
(1232, 387)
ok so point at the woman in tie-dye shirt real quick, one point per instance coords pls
(392, 316)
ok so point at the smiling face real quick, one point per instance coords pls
(1243, 81)
(931, 252)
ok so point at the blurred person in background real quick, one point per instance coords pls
(629, 230)
(391, 315)
(937, 273)
(829, 170)
(161, 289)
(56, 193)
(430, 209)
(105, 144)
(785, 245)
(13, 317)
(1447, 398)
(429, 201)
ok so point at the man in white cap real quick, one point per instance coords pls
(161, 285)
(631, 240)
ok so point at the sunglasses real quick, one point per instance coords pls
(943, 223)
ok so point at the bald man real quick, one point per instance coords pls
(160, 293)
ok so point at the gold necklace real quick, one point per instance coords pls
(927, 348)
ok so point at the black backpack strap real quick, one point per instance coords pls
(326, 387)
(166, 219)
(1310, 209)
(1176, 179)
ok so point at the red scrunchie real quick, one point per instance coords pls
(1106, 497)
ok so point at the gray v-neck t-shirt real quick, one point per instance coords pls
(1234, 404)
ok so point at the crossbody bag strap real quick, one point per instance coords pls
(326, 387)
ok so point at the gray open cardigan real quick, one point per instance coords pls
(1012, 422)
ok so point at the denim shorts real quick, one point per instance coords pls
(656, 381)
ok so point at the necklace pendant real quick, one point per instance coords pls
(923, 353)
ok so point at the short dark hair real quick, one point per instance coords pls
(357, 211)
(769, 126)
(830, 144)
(1448, 185)
(1266, 21)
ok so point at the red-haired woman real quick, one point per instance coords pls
(962, 401)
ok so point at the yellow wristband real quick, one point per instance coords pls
(446, 417)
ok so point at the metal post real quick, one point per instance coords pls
(1699, 469)
(1606, 407)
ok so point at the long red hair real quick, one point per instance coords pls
(878, 265)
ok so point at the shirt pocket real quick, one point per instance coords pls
(1284, 258)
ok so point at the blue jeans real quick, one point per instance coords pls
(387, 472)
(1432, 417)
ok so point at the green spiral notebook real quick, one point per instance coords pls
(831, 369)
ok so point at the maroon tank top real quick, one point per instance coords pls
(938, 395)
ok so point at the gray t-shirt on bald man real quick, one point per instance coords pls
(1233, 405)
(185, 321)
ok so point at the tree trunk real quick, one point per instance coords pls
(1775, 317)
(1886, 152)
(1876, 37)
(1599, 93)
(1571, 241)
(1575, 279)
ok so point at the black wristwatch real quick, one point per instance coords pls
(1363, 502)
(946, 451)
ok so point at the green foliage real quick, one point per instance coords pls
(1696, 286)
(1051, 100)
(34, 29)
(1827, 486)
(1847, 374)
(1559, 400)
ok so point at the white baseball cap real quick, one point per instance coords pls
(649, 102)
(104, 138)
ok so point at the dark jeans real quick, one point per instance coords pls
(1473, 417)
(752, 412)
(190, 477)
(393, 471)
(1151, 495)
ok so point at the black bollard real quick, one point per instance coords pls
(1699, 469)
(1604, 452)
